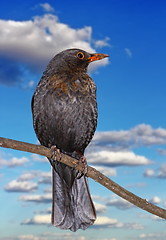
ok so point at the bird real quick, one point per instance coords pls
(64, 111)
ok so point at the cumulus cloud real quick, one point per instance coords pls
(109, 158)
(102, 42)
(43, 177)
(152, 236)
(101, 222)
(38, 220)
(21, 186)
(45, 219)
(23, 237)
(36, 41)
(155, 200)
(45, 180)
(149, 172)
(32, 43)
(120, 204)
(49, 236)
(140, 135)
(13, 162)
(162, 171)
(46, 198)
(100, 208)
(113, 148)
(104, 222)
(45, 211)
(106, 171)
(27, 176)
(46, 7)
(38, 158)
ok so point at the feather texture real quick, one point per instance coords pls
(65, 115)
(72, 207)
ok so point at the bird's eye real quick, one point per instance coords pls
(80, 55)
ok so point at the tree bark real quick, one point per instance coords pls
(91, 172)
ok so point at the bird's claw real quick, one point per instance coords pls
(84, 166)
(56, 154)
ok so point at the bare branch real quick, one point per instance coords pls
(92, 173)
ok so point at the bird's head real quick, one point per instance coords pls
(74, 60)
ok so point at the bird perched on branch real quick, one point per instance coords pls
(65, 115)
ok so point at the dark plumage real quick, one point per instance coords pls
(65, 115)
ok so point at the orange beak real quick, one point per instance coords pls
(97, 56)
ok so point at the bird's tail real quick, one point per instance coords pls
(72, 206)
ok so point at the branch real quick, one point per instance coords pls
(92, 173)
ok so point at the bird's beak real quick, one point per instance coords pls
(97, 56)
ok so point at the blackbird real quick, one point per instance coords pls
(64, 112)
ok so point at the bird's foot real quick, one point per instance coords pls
(56, 154)
(84, 169)
(84, 163)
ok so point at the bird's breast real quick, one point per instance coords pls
(80, 84)
(66, 114)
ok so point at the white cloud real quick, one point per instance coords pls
(100, 198)
(39, 219)
(46, 7)
(46, 198)
(100, 208)
(151, 216)
(13, 162)
(28, 237)
(162, 171)
(36, 41)
(21, 186)
(155, 200)
(120, 204)
(133, 226)
(38, 158)
(102, 43)
(45, 211)
(101, 222)
(108, 171)
(27, 176)
(65, 236)
(105, 222)
(156, 218)
(30, 84)
(50, 236)
(149, 172)
(140, 135)
(46, 219)
(109, 158)
(128, 52)
(43, 177)
(153, 236)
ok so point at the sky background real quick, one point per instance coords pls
(130, 142)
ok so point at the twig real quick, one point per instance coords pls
(92, 173)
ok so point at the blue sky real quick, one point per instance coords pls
(130, 142)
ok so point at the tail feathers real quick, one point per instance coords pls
(72, 208)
